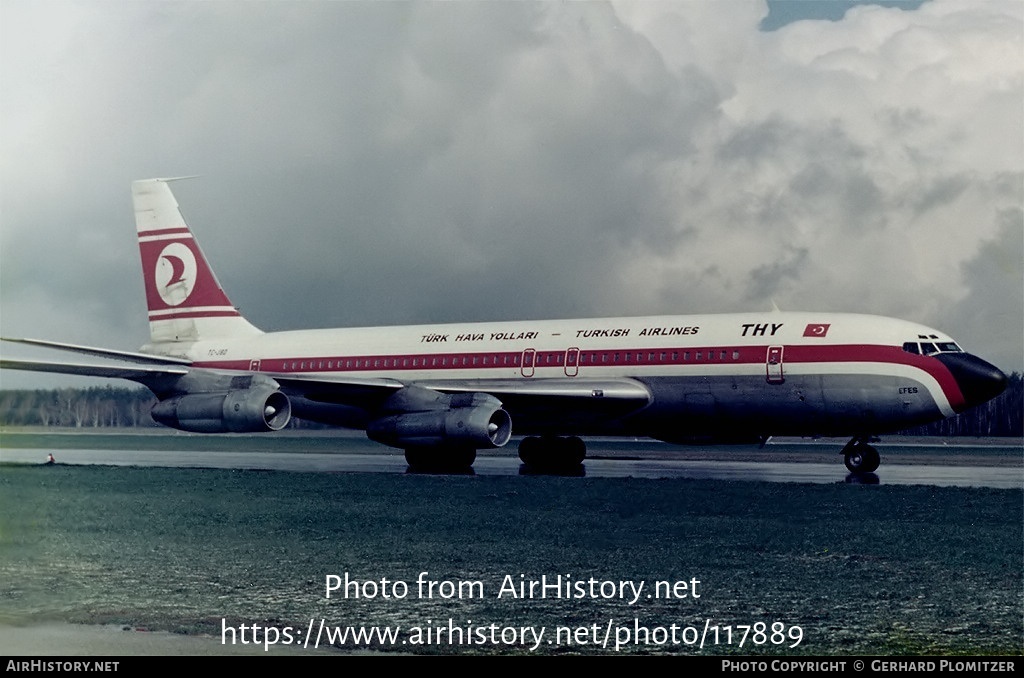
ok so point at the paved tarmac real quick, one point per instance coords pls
(783, 462)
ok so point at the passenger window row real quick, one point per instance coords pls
(540, 358)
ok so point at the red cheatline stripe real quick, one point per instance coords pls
(855, 353)
(588, 358)
(166, 231)
(194, 314)
(709, 355)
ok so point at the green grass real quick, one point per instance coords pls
(862, 569)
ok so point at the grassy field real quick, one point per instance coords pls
(861, 569)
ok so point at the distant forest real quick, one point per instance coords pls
(108, 407)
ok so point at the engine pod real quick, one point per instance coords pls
(255, 410)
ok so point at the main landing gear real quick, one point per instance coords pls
(861, 457)
(552, 454)
(440, 459)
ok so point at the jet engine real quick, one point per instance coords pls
(417, 417)
(252, 410)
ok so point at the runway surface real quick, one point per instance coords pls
(356, 462)
(902, 464)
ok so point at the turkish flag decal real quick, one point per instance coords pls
(816, 329)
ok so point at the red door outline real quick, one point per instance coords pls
(527, 364)
(572, 362)
(773, 365)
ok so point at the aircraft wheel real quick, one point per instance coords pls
(862, 459)
(531, 451)
(575, 451)
(552, 454)
(440, 459)
(871, 459)
(417, 457)
(460, 458)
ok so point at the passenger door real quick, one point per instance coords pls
(773, 365)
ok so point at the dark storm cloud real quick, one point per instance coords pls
(483, 180)
(995, 297)
(765, 281)
(943, 190)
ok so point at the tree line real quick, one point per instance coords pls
(94, 407)
(103, 407)
(110, 407)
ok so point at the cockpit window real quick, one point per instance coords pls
(929, 348)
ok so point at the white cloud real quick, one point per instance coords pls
(861, 163)
(373, 163)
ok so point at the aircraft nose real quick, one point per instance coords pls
(978, 380)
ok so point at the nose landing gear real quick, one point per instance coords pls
(860, 457)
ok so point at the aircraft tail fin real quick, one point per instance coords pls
(185, 301)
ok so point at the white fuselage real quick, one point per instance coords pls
(773, 372)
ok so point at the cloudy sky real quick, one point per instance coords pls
(392, 163)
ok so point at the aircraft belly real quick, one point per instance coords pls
(878, 403)
(730, 406)
(718, 407)
(554, 416)
(814, 404)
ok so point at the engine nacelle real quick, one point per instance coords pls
(474, 421)
(255, 410)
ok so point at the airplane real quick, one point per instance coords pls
(440, 392)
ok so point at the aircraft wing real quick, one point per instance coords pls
(599, 394)
(574, 396)
(318, 387)
(622, 390)
(325, 389)
(129, 356)
(528, 400)
(83, 369)
(339, 390)
(607, 396)
(570, 397)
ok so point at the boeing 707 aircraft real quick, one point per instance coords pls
(442, 392)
